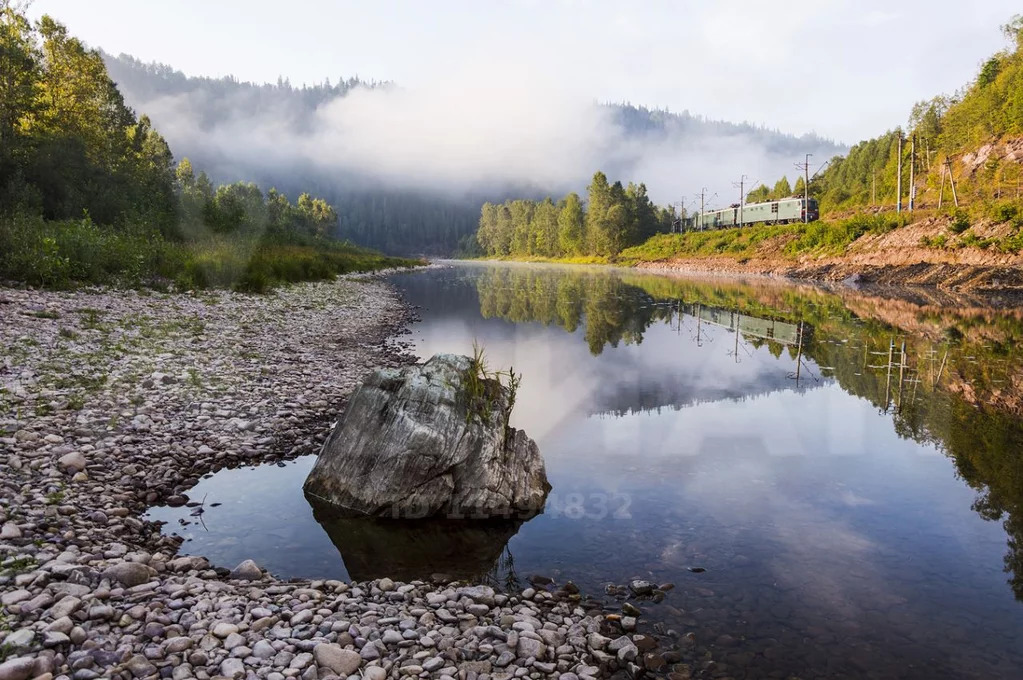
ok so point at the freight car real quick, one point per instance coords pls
(781, 211)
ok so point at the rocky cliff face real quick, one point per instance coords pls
(415, 443)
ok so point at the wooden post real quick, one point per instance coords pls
(941, 191)
(898, 183)
(952, 182)
(912, 173)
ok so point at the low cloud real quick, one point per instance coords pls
(481, 131)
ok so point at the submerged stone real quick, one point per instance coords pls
(430, 441)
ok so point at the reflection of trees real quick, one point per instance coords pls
(959, 387)
(613, 311)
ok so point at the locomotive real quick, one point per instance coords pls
(782, 211)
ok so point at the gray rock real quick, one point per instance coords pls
(344, 662)
(263, 650)
(370, 652)
(504, 659)
(10, 530)
(640, 587)
(410, 446)
(129, 573)
(247, 571)
(528, 647)
(627, 653)
(17, 669)
(177, 645)
(72, 461)
(232, 668)
(20, 640)
(480, 594)
(15, 596)
(224, 629)
(433, 664)
(391, 637)
(374, 673)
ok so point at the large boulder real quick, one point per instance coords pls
(430, 440)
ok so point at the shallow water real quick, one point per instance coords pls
(848, 469)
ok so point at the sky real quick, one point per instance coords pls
(846, 69)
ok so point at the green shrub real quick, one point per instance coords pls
(1005, 212)
(960, 221)
(75, 252)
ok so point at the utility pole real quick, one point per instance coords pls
(912, 172)
(806, 190)
(805, 167)
(742, 195)
(952, 181)
(898, 184)
(703, 196)
(873, 188)
(941, 190)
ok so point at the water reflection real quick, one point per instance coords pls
(422, 549)
(945, 373)
(845, 464)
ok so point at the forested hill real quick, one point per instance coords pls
(212, 121)
(974, 134)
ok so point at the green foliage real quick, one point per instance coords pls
(614, 218)
(482, 388)
(89, 193)
(939, 241)
(75, 252)
(1005, 212)
(815, 238)
(68, 143)
(993, 105)
(960, 221)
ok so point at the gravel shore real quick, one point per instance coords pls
(113, 401)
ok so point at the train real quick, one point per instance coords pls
(782, 211)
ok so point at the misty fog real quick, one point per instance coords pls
(473, 133)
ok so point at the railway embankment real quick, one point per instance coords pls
(926, 252)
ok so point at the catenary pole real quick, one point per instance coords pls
(898, 183)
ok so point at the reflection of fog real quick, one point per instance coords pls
(592, 340)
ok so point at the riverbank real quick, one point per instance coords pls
(927, 252)
(114, 401)
(882, 249)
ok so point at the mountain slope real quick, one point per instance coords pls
(408, 170)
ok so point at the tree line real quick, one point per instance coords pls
(383, 215)
(89, 191)
(68, 143)
(987, 109)
(782, 189)
(614, 217)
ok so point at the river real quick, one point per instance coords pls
(832, 480)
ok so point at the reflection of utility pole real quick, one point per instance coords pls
(941, 369)
(737, 318)
(799, 352)
(902, 372)
(699, 319)
(888, 381)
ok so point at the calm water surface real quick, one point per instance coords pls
(848, 469)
